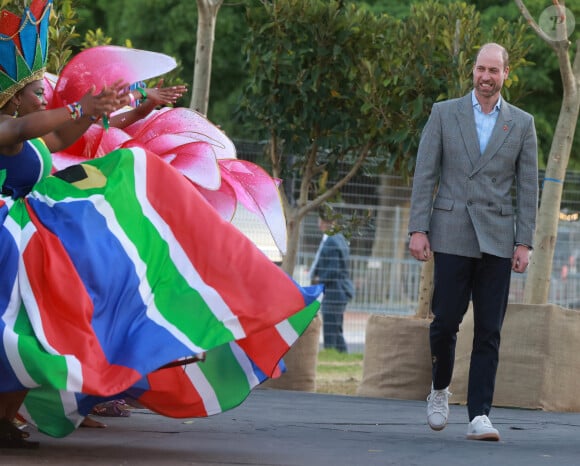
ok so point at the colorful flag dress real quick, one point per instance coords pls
(117, 269)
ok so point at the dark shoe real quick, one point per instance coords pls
(12, 437)
(18, 442)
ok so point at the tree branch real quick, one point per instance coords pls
(537, 29)
(576, 66)
(321, 199)
(308, 175)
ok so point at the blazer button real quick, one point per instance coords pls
(493, 180)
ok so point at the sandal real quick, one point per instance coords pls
(21, 422)
(12, 437)
(114, 408)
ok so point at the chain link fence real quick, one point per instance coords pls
(386, 278)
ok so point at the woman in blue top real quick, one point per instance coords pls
(117, 271)
(27, 137)
(25, 158)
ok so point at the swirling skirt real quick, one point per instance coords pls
(116, 270)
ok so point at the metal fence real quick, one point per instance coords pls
(390, 285)
(387, 278)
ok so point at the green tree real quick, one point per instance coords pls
(317, 87)
(337, 86)
(62, 34)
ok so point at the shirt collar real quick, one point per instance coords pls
(477, 105)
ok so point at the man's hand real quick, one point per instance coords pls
(521, 259)
(419, 246)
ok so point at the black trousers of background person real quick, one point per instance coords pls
(486, 282)
(332, 321)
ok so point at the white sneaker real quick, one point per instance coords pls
(482, 429)
(438, 408)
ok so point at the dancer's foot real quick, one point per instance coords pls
(90, 422)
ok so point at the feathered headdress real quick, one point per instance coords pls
(23, 47)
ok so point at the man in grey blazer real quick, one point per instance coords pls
(473, 151)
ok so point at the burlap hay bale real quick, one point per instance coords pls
(397, 358)
(539, 359)
(301, 362)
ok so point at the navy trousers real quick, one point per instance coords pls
(332, 320)
(486, 282)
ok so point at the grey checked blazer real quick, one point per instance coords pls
(462, 198)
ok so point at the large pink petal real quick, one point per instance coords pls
(111, 139)
(257, 191)
(49, 84)
(136, 128)
(222, 200)
(185, 123)
(165, 142)
(97, 142)
(103, 65)
(197, 162)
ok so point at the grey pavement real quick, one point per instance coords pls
(284, 428)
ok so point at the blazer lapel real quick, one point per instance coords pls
(502, 128)
(466, 125)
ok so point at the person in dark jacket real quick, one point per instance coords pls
(331, 268)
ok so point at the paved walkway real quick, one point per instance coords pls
(282, 428)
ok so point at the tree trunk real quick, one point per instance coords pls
(293, 231)
(207, 13)
(425, 290)
(538, 281)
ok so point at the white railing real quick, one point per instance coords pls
(391, 287)
(382, 286)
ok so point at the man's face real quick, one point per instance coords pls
(489, 73)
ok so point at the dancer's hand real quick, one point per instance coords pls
(159, 95)
(103, 103)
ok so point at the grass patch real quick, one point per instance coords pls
(338, 373)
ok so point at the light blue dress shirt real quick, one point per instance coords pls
(484, 122)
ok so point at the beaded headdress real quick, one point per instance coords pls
(23, 47)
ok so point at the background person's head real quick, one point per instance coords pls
(326, 220)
